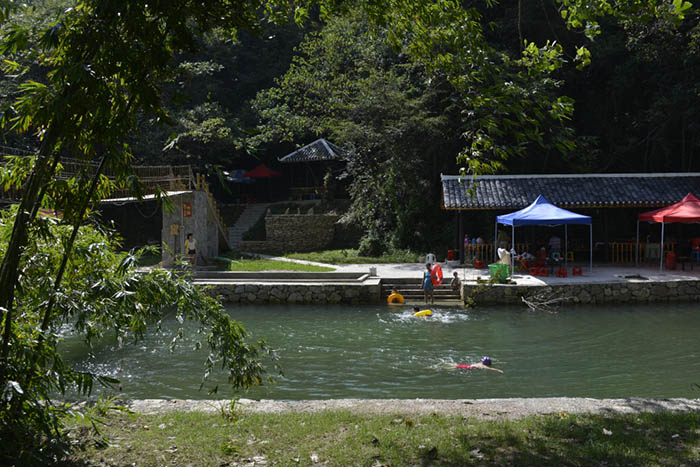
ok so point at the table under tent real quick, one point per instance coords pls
(542, 212)
(686, 210)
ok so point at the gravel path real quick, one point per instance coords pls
(481, 408)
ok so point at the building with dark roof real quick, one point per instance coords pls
(567, 191)
(319, 150)
(311, 164)
(613, 200)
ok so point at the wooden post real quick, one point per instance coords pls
(460, 230)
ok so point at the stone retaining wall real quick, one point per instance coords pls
(301, 232)
(369, 292)
(361, 293)
(295, 233)
(627, 292)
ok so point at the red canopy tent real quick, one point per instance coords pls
(686, 210)
(262, 171)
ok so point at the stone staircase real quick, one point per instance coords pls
(412, 290)
(244, 222)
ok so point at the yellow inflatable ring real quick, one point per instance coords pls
(395, 298)
(423, 313)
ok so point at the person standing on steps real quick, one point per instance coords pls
(191, 249)
(428, 284)
(455, 283)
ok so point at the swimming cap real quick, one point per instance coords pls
(486, 361)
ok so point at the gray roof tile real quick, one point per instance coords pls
(568, 190)
(319, 150)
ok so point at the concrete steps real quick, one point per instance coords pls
(412, 290)
(244, 222)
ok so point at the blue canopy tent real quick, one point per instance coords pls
(542, 212)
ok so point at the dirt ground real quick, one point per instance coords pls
(481, 408)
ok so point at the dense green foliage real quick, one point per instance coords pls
(102, 293)
(80, 78)
(350, 85)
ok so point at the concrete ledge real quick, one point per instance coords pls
(513, 408)
(292, 276)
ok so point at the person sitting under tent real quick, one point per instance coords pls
(524, 256)
(504, 256)
(554, 246)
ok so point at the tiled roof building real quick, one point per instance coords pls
(319, 150)
(567, 190)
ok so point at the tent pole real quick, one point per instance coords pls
(590, 246)
(566, 245)
(460, 237)
(661, 262)
(636, 259)
(495, 237)
(512, 249)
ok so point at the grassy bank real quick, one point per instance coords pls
(342, 438)
(274, 265)
(353, 257)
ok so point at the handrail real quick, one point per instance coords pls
(151, 177)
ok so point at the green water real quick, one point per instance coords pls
(370, 352)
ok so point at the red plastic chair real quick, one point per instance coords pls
(534, 271)
(576, 271)
(695, 243)
(543, 271)
(562, 272)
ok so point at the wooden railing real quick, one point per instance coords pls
(200, 183)
(299, 193)
(626, 252)
(485, 251)
(152, 177)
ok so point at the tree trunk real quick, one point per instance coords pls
(9, 270)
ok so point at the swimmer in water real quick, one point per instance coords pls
(417, 312)
(484, 364)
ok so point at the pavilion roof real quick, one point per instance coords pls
(319, 150)
(568, 190)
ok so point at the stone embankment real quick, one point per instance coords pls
(291, 287)
(632, 291)
(297, 293)
(620, 286)
(368, 291)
